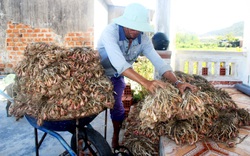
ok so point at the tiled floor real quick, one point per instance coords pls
(211, 148)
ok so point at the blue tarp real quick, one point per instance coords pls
(243, 88)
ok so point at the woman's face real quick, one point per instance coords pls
(131, 33)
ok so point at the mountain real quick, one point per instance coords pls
(236, 29)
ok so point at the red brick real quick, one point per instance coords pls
(44, 30)
(71, 43)
(75, 39)
(15, 30)
(37, 30)
(87, 43)
(11, 35)
(127, 101)
(38, 39)
(23, 39)
(2, 65)
(11, 44)
(45, 39)
(40, 35)
(22, 48)
(26, 26)
(71, 34)
(29, 30)
(22, 31)
(9, 48)
(79, 43)
(9, 40)
(15, 39)
(30, 40)
(33, 35)
(81, 39)
(26, 35)
(18, 44)
(48, 35)
(15, 48)
(78, 34)
(67, 39)
(9, 65)
(9, 31)
(11, 26)
(19, 53)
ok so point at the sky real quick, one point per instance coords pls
(201, 16)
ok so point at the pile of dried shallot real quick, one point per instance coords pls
(58, 83)
(185, 119)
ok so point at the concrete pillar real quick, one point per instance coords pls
(246, 46)
(217, 68)
(163, 23)
(199, 68)
(190, 67)
(162, 16)
(227, 68)
(166, 56)
(210, 67)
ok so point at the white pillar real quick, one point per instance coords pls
(164, 22)
(190, 67)
(209, 66)
(227, 68)
(162, 17)
(246, 45)
(217, 68)
(199, 68)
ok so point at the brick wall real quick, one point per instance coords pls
(18, 35)
(76, 39)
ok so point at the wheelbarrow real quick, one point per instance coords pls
(92, 141)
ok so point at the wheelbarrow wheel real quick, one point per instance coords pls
(94, 144)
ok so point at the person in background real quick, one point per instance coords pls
(119, 46)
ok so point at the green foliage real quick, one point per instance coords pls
(145, 68)
(186, 40)
(190, 41)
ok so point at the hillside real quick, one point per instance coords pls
(236, 30)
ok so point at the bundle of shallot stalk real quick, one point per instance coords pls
(57, 83)
(167, 104)
(159, 107)
(185, 119)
